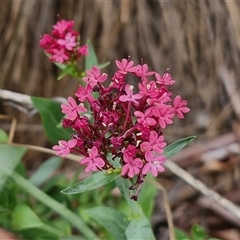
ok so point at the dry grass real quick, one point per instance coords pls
(198, 40)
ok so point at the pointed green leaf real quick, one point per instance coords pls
(139, 228)
(51, 115)
(91, 58)
(94, 181)
(175, 147)
(10, 157)
(24, 218)
(45, 170)
(103, 65)
(112, 220)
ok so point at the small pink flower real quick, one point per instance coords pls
(94, 76)
(180, 106)
(166, 79)
(72, 109)
(125, 66)
(83, 50)
(142, 71)
(156, 143)
(130, 97)
(59, 55)
(94, 162)
(84, 93)
(131, 167)
(153, 164)
(63, 25)
(148, 89)
(145, 118)
(166, 115)
(63, 148)
(69, 42)
(46, 41)
(129, 152)
(162, 100)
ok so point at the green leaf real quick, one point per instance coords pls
(91, 58)
(139, 228)
(3, 136)
(51, 115)
(146, 197)
(45, 170)
(103, 65)
(123, 186)
(112, 220)
(24, 218)
(73, 70)
(94, 181)
(59, 208)
(10, 157)
(180, 235)
(69, 69)
(175, 147)
(197, 232)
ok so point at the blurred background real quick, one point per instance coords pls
(199, 41)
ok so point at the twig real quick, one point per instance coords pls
(23, 99)
(12, 126)
(201, 187)
(16, 97)
(230, 86)
(198, 148)
(167, 208)
(73, 157)
(207, 203)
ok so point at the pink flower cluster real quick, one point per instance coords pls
(63, 43)
(126, 124)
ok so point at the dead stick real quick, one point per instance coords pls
(166, 206)
(201, 187)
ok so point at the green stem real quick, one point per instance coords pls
(51, 203)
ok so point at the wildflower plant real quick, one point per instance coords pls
(117, 127)
(124, 131)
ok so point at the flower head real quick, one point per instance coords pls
(63, 43)
(125, 129)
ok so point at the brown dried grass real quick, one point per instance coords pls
(195, 39)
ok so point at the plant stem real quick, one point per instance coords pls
(51, 203)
